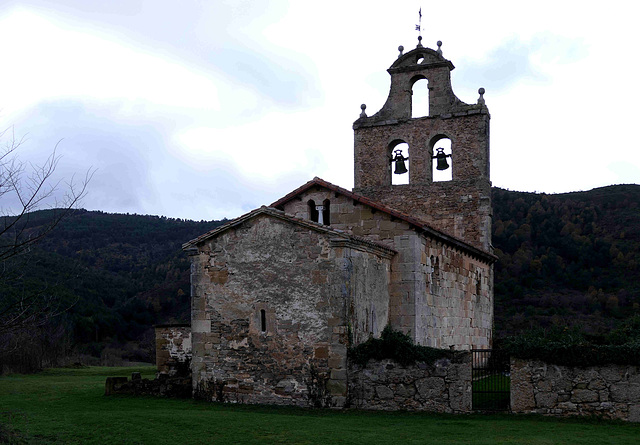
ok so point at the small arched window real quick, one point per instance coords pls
(435, 263)
(326, 212)
(420, 98)
(313, 212)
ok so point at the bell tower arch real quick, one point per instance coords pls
(460, 206)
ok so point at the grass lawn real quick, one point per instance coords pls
(491, 393)
(67, 406)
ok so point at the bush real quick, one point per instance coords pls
(570, 347)
(627, 332)
(397, 346)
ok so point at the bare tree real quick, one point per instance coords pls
(24, 189)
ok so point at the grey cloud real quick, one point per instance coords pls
(510, 64)
(223, 37)
(137, 169)
(282, 79)
(503, 67)
(91, 138)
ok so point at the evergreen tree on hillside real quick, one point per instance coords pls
(568, 259)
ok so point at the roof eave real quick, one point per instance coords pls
(417, 224)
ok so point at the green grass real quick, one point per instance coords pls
(67, 406)
(491, 393)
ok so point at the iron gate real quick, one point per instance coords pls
(491, 381)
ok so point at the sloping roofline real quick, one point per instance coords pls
(417, 224)
(353, 240)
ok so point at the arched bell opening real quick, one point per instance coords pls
(326, 212)
(399, 162)
(313, 211)
(320, 213)
(419, 97)
(442, 159)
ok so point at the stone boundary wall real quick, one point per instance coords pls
(611, 391)
(163, 386)
(443, 387)
(173, 347)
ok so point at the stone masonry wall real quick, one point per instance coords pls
(406, 70)
(439, 295)
(365, 291)
(469, 135)
(385, 385)
(162, 386)
(173, 347)
(460, 207)
(457, 308)
(303, 280)
(611, 391)
(361, 220)
(352, 217)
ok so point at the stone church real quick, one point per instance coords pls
(281, 292)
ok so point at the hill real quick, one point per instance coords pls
(118, 275)
(567, 259)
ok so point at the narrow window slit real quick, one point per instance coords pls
(263, 320)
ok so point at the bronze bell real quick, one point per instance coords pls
(399, 160)
(442, 159)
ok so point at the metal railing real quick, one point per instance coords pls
(491, 381)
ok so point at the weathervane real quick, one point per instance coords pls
(419, 27)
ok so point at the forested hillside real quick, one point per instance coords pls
(568, 259)
(117, 275)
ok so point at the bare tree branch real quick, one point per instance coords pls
(32, 187)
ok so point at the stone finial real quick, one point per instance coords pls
(363, 107)
(481, 98)
(439, 50)
(400, 48)
(419, 45)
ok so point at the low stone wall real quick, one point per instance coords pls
(173, 348)
(443, 387)
(163, 386)
(611, 391)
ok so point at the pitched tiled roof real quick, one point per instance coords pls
(355, 240)
(414, 222)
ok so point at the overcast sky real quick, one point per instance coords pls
(208, 109)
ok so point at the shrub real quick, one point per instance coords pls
(399, 347)
(570, 347)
